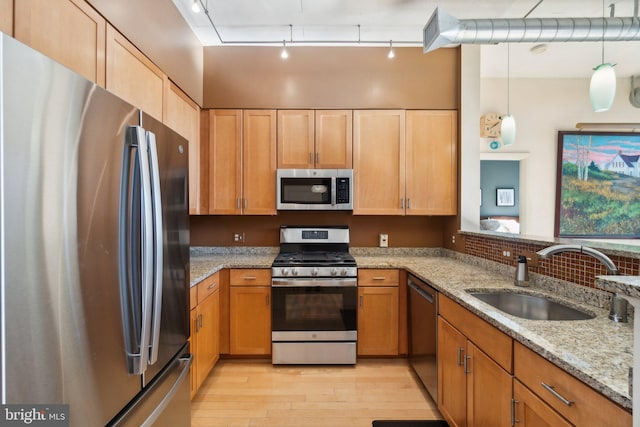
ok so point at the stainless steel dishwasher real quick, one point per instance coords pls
(423, 336)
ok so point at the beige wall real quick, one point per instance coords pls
(6, 16)
(330, 77)
(542, 107)
(161, 33)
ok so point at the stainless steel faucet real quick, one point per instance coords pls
(558, 249)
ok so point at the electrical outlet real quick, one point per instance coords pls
(532, 258)
(238, 237)
(384, 240)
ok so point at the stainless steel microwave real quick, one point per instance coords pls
(314, 189)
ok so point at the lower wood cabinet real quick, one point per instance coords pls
(531, 411)
(205, 327)
(250, 311)
(378, 305)
(473, 388)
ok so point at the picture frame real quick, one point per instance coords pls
(598, 185)
(505, 197)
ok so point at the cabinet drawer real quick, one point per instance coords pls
(250, 277)
(193, 297)
(582, 405)
(208, 286)
(496, 344)
(378, 277)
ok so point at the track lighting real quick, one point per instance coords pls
(284, 54)
(195, 7)
(391, 53)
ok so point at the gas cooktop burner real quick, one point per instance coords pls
(322, 258)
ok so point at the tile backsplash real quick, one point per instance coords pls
(572, 267)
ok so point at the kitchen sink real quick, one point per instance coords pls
(532, 307)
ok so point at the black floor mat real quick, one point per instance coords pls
(406, 423)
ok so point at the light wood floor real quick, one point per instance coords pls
(256, 393)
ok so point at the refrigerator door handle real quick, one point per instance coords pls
(184, 364)
(136, 267)
(158, 245)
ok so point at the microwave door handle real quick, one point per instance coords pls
(333, 191)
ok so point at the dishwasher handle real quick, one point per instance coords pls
(421, 291)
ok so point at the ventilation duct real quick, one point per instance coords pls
(445, 30)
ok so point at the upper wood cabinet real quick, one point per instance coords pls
(378, 162)
(259, 162)
(132, 76)
(68, 31)
(315, 139)
(242, 162)
(432, 172)
(183, 116)
(6, 16)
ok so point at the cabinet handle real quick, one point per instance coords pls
(514, 420)
(466, 365)
(551, 389)
(195, 324)
(317, 157)
(244, 203)
(402, 203)
(378, 278)
(238, 202)
(200, 321)
(310, 158)
(267, 297)
(408, 203)
(250, 277)
(361, 301)
(211, 286)
(460, 352)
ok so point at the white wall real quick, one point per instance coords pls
(542, 107)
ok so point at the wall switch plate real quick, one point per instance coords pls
(238, 237)
(384, 240)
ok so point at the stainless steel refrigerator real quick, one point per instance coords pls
(94, 250)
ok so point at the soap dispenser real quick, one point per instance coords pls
(522, 272)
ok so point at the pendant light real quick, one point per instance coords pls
(195, 7)
(391, 53)
(508, 127)
(284, 54)
(602, 89)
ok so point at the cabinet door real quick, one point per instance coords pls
(183, 116)
(452, 382)
(531, 411)
(69, 31)
(432, 172)
(488, 391)
(207, 337)
(250, 320)
(6, 16)
(259, 162)
(378, 321)
(296, 139)
(225, 162)
(378, 162)
(132, 76)
(334, 139)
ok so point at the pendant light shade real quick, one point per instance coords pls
(283, 53)
(195, 7)
(508, 129)
(603, 87)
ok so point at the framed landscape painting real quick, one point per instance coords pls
(598, 185)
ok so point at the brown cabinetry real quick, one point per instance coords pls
(315, 139)
(378, 304)
(242, 162)
(183, 116)
(431, 162)
(250, 312)
(577, 402)
(132, 76)
(6, 16)
(474, 389)
(68, 31)
(531, 411)
(205, 330)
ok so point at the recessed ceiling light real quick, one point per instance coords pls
(539, 48)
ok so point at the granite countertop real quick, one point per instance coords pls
(597, 351)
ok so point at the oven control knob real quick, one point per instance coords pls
(343, 272)
(314, 272)
(294, 272)
(285, 271)
(334, 271)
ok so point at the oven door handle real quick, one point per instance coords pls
(307, 283)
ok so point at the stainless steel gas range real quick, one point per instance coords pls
(314, 296)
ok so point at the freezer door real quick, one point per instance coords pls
(61, 170)
(172, 327)
(165, 402)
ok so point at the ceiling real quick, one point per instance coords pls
(376, 22)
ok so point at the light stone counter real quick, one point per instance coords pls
(597, 351)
